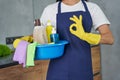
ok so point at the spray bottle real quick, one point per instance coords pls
(49, 30)
(54, 37)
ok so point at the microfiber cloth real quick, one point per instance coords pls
(30, 54)
(20, 52)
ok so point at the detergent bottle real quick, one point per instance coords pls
(54, 37)
(49, 30)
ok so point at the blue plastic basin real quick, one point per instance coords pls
(50, 51)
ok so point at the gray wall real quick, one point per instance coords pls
(110, 55)
(16, 17)
(38, 6)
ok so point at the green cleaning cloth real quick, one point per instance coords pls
(30, 54)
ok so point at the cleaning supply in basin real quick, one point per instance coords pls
(54, 37)
(28, 38)
(20, 52)
(39, 34)
(49, 30)
(16, 42)
(30, 54)
(37, 22)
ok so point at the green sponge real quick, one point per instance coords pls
(4, 50)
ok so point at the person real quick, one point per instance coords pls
(74, 20)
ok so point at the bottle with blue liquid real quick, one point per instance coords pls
(54, 37)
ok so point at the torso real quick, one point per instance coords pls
(94, 10)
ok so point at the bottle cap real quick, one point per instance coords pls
(49, 22)
(37, 22)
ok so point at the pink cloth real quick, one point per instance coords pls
(20, 52)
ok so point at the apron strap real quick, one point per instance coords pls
(85, 6)
(59, 7)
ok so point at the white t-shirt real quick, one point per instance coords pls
(98, 17)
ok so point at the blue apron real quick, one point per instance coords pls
(76, 63)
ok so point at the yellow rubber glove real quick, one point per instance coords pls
(27, 38)
(16, 42)
(77, 29)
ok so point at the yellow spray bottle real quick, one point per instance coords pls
(49, 30)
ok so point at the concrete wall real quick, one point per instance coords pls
(38, 6)
(110, 55)
(16, 18)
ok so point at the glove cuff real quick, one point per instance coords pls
(92, 38)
